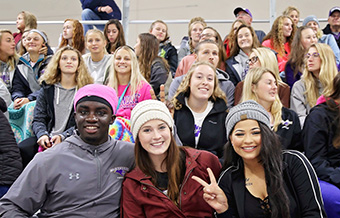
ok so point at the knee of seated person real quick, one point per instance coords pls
(86, 14)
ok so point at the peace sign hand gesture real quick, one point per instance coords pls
(213, 194)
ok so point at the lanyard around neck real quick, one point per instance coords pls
(122, 96)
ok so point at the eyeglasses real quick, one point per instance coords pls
(252, 60)
(314, 55)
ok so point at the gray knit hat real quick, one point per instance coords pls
(149, 110)
(246, 110)
(309, 19)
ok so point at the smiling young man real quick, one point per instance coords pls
(82, 176)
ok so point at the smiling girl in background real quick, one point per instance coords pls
(166, 50)
(127, 80)
(29, 69)
(200, 106)
(244, 41)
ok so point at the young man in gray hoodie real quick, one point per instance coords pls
(80, 177)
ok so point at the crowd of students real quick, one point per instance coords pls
(260, 112)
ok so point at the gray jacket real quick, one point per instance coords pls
(298, 100)
(223, 80)
(71, 179)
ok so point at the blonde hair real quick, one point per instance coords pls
(192, 22)
(184, 87)
(53, 73)
(166, 27)
(12, 60)
(328, 71)
(289, 9)
(268, 60)
(252, 78)
(100, 33)
(136, 78)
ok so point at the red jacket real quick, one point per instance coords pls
(140, 198)
(281, 59)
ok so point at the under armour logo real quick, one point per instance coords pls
(73, 175)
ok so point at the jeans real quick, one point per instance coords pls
(3, 190)
(88, 14)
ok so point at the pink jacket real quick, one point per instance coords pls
(129, 102)
(185, 65)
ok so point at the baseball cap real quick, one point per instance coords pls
(336, 8)
(238, 9)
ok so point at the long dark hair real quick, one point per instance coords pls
(236, 48)
(335, 95)
(120, 41)
(271, 159)
(149, 46)
(173, 164)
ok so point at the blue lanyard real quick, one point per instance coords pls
(121, 97)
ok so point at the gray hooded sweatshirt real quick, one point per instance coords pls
(71, 179)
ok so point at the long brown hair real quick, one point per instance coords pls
(173, 164)
(231, 35)
(120, 41)
(78, 40)
(149, 46)
(236, 48)
(277, 37)
(297, 54)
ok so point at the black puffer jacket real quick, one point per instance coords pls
(10, 159)
(213, 133)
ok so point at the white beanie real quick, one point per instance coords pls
(149, 110)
